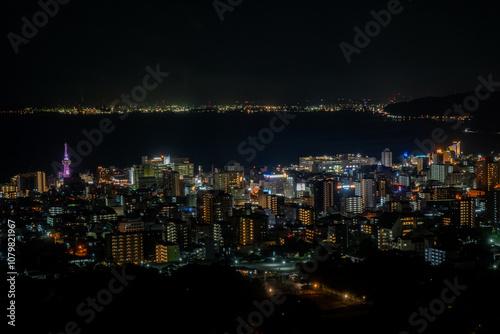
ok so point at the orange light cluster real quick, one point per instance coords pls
(80, 251)
(476, 193)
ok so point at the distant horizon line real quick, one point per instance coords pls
(305, 103)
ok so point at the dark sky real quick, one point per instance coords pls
(267, 50)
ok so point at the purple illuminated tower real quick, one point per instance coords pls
(66, 162)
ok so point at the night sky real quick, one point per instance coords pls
(92, 51)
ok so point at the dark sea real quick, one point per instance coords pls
(33, 142)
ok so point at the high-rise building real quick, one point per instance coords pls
(437, 157)
(435, 256)
(252, 228)
(456, 147)
(422, 163)
(183, 167)
(41, 182)
(172, 183)
(166, 252)
(492, 207)
(438, 172)
(488, 174)
(381, 190)
(215, 206)
(463, 213)
(449, 156)
(306, 215)
(267, 201)
(404, 180)
(8, 191)
(368, 192)
(33, 181)
(125, 247)
(357, 188)
(289, 187)
(183, 235)
(386, 158)
(151, 171)
(143, 176)
(352, 205)
(130, 225)
(227, 181)
(324, 192)
(170, 232)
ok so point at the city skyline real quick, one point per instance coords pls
(282, 227)
(236, 166)
(63, 170)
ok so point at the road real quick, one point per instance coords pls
(288, 267)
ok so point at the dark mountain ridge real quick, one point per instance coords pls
(485, 117)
